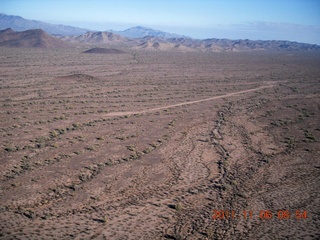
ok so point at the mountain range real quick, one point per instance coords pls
(139, 38)
(18, 23)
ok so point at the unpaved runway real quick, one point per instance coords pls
(116, 114)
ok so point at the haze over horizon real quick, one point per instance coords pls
(293, 20)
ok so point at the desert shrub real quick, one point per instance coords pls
(131, 148)
(76, 126)
(90, 148)
(178, 206)
(10, 148)
(54, 134)
(309, 135)
(134, 156)
(146, 151)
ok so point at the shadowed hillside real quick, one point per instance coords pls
(104, 51)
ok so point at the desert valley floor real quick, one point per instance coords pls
(159, 145)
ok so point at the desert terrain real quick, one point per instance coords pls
(159, 145)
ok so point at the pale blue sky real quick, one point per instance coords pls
(196, 18)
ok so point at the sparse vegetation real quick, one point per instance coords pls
(93, 147)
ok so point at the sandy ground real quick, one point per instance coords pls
(153, 145)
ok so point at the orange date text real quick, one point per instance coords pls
(263, 214)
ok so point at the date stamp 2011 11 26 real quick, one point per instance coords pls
(263, 214)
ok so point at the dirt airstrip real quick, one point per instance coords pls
(159, 145)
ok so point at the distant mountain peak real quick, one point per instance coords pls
(141, 32)
(139, 27)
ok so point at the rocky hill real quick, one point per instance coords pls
(30, 39)
(98, 38)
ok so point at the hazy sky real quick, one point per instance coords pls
(196, 18)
